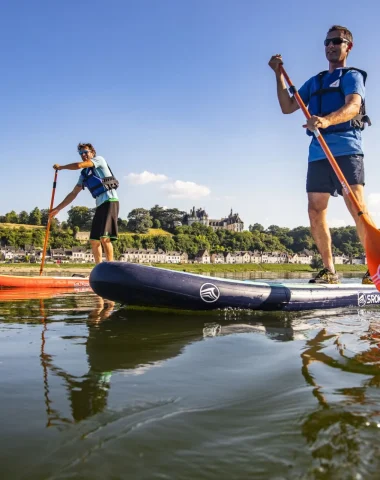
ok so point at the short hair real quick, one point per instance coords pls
(346, 32)
(87, 145)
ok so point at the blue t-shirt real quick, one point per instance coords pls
(340, 143)
(101, 170)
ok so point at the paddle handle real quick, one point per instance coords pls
(324, 145)
(49, 222)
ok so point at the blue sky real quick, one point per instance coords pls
(178, 89)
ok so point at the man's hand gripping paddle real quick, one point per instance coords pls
(372, 235)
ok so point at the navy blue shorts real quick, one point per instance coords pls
(321, 177)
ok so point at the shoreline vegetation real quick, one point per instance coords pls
(20, 268)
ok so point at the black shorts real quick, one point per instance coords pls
(321, 177)
(104, 223)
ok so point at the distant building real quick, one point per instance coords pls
(202, 257)
(83, 237)
(232, 222)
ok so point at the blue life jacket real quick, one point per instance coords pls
(330, 99)
(98, 185)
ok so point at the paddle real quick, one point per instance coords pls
(49, 222)
(372, 235)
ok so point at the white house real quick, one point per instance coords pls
(202, 257)
(217, 258)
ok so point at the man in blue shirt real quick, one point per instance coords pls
(98, 178)
(335, 100)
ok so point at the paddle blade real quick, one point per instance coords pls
(372, 250)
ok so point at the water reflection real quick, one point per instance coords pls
(341, 364)
(314, 374)
(115, 341)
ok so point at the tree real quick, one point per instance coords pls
(256, 227)
(23, 217)
(44, 216)
(122, 225)
(302, 239)
(38, 236)
(80, 217)
(24, 237)
(148, 242)
(54, 222)
(137, 242)
(10, 237)
(316, 262)
(166, 216)
(35, 217)
(139, 220)
(185, 243)
(11, 217)
(164, 242)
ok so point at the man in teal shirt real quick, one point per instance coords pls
(98, 178)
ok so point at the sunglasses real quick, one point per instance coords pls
(81, 152)
(335, 41)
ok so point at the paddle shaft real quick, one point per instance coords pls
(49, 222)
(324, 145)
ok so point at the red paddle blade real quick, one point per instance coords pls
(372, 249)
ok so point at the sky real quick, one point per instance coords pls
(178, 97)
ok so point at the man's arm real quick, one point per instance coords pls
(346, 113)
(74, 166)
(287, 103)
(69, 198)
(350, 109)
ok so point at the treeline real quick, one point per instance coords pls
(139, 220)
(189, 239)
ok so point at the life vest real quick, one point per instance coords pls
(330, 99)
(97, 185)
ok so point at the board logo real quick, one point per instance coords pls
(209, 292)
(368, 299)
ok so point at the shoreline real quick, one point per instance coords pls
(16, 269)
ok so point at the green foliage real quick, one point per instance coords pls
(122, 225)
(139, 220)
(189, 239)
(165, 217)
(23, 217)
(164, 243)
(35, 217)
(11, 217)
(256, 227)
(316, 262)
(80, 217)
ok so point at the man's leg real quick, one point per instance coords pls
(108, 248)
(358, 191)
(320, 231)
(96, 250)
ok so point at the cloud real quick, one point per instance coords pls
(337, 223)
(374, 205)
(374, 200)
(180, 189)
(145, 178)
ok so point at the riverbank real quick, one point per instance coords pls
(69, 269)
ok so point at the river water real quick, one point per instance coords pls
(90, 390)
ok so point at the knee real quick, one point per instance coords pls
(105, 241)
(315, 212)
(94, 243)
